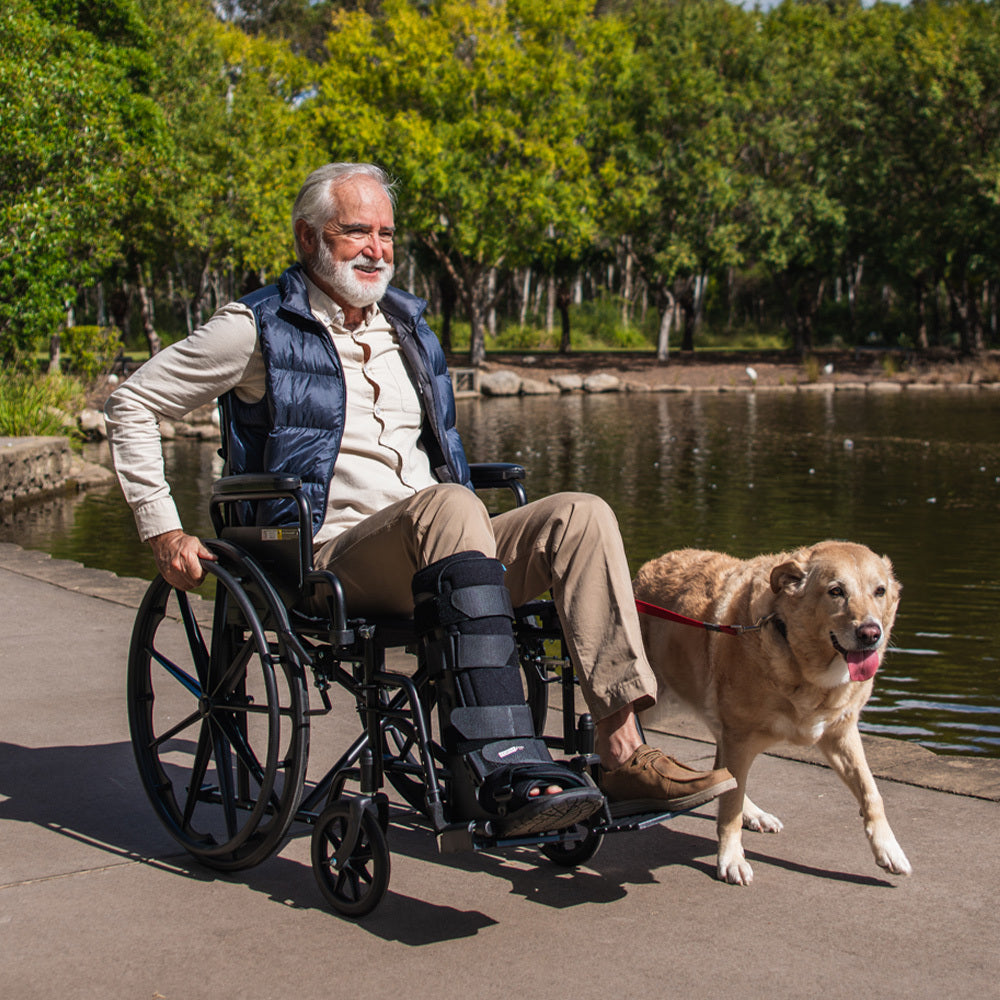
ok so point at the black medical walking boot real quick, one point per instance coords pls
(501, 770)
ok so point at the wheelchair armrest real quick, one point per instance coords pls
(499, 475)
(487, 474)
(255, 482)
(254, 486)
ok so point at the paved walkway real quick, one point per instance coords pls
(95, 901)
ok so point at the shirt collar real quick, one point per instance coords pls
(328, 312)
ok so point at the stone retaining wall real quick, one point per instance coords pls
(34, 466)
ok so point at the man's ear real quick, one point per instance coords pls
(306, 236)
(787, 576)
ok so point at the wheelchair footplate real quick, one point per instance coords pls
(614, 817)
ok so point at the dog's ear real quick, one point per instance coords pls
(787, 576)
(895, 587)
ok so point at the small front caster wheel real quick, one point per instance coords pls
(356, 883)
(579, 844)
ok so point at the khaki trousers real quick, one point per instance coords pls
(568, 543)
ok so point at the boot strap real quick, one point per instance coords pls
(493, 722)
(461, 605)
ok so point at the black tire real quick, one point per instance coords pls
(218, 725)
(582, 843)
(357, 886)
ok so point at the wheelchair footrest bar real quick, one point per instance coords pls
(623, 821)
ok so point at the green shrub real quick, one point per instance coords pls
(89, 351)
(38, 404)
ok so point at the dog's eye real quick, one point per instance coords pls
(836, 591)
(880, 591)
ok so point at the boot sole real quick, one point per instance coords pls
(568, 809)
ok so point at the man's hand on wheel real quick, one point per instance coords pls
(178, 557)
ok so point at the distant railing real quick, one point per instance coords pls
(465, 382)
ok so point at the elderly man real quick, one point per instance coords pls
(335, 377)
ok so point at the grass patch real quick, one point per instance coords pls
(39, 405)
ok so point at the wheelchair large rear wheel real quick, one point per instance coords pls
(217, 720)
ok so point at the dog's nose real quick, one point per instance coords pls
(869, 633)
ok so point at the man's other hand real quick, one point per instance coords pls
(178, 557)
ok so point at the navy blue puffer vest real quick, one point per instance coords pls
(298, 426)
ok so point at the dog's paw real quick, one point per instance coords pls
(888, 854)
(760, 821)
(734, 868)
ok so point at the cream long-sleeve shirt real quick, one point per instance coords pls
(380, 461)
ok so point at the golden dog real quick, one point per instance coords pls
(802, 677)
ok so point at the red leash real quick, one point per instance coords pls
(673, 616)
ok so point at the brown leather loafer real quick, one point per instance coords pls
(650, 780)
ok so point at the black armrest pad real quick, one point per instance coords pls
(496, 473)
(256, 482)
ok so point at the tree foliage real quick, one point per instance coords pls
(825, 169)
(74, 112)
(480, 110)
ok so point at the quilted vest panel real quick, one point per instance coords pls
(298, 426)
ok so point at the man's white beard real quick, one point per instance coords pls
(339, 276)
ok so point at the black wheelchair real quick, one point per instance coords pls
(219, 714)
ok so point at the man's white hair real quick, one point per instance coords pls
(316, 203)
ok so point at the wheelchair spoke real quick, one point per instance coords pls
(223, 768)
(234, 672)
(236, 740)
(176, 672)
(174, 730)
(196, 642)
(201, 758)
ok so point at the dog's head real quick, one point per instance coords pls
(837, 602)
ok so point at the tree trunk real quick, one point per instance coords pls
(921, 339)
(853, 284)
(563, 300)
(966, 317)
(627, 285)
(477, 335)
(666, 322)
(477, 303)
(698, 311)
(146, 312)
(525, 296)
(448, 296)
(550, 306)
(491, 311)
(55, 353)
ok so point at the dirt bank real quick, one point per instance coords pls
(729, 370)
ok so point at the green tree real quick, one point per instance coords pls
(209, 210)
(74, 108)
(795, 220)
(666, 147)
(930, 174)
(479, 108)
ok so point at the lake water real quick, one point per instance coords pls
(914, 475)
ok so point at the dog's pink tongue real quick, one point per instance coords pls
(862, 665)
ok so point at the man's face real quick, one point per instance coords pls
(353, 254)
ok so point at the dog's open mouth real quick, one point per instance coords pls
(861, 663)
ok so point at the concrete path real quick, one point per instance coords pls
(95, 901)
